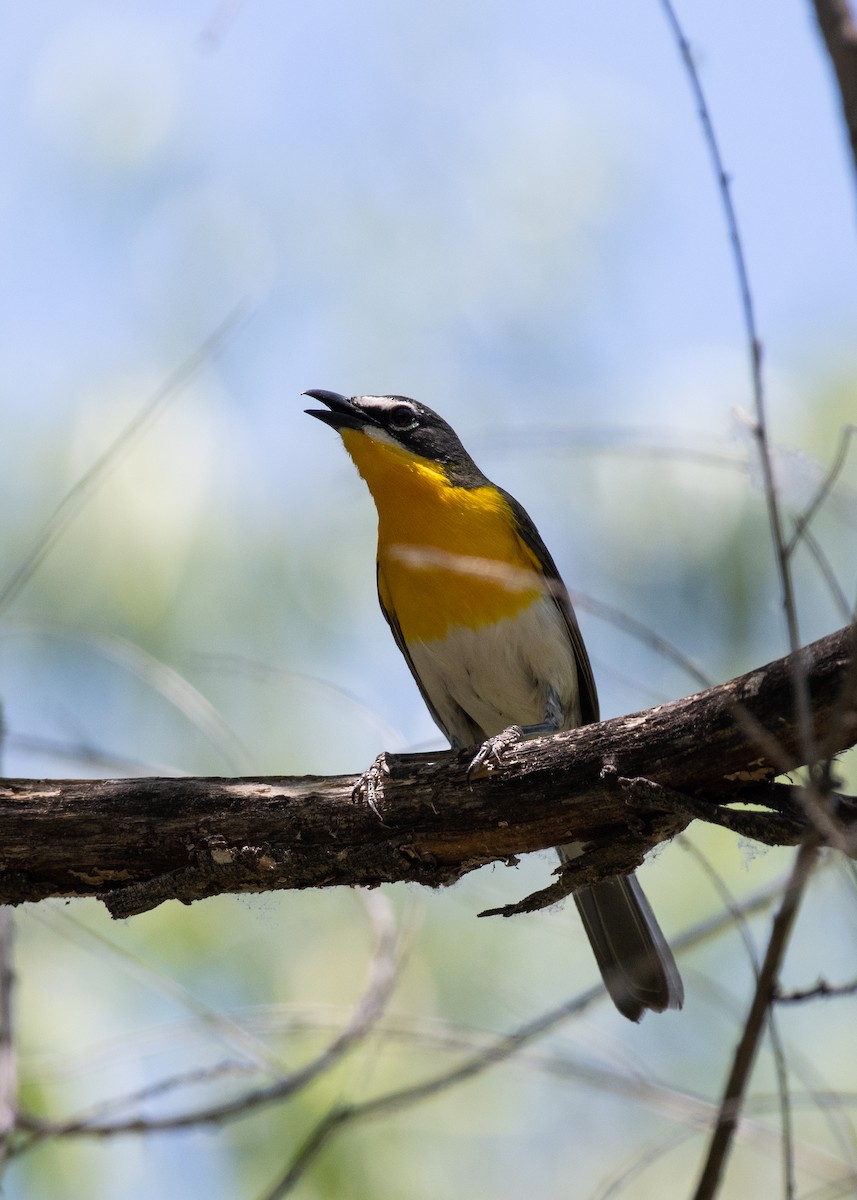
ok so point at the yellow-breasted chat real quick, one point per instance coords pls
(477, 607)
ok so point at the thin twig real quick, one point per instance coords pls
(689, 1108)
(383, 973)
(821, 990)
(837, 592)
(815, 1092)
(745, 1053)
(833, 1191)
(760, 426)
(401, 1098)
(224, 1028)
(714, 925)
(733, 907)
(758, 1135)
(482, 1057)
(86, 754)
(152, 1091)
(781, 1067)
(824, 488)
(641, 632)
(282, 1020)
(803, 1068)
(83, 488)
(154, 674)
(486, 1057)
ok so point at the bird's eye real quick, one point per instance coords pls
(402, 418)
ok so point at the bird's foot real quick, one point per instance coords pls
(490, 754)
(369, 788)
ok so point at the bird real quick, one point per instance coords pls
(477, 607)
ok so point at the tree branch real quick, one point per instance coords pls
(621, 786)
(747, 1048)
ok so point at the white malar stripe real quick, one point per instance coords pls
(500, 674)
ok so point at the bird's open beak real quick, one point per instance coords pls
(343, 414)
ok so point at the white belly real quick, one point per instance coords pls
(499, 675)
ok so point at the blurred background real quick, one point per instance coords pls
(506, 212)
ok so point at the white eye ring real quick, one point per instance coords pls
(402, 418)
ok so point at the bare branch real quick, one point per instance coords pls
(822, 990)
(643, 633)
(745, 1053)
(383, 973)
(137, 842)
(754, 345)
(732, 906)
(831, 475)
(482, 1051)
(401, 1098)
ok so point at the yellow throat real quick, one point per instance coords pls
(447, 555)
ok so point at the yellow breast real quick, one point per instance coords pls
(447, 556)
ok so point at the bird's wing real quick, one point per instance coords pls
(529, 535)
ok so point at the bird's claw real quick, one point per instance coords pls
(370, 786)
(490, 754)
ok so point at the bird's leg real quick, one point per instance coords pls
(490, 754)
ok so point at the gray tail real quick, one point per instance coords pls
(635, 961)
